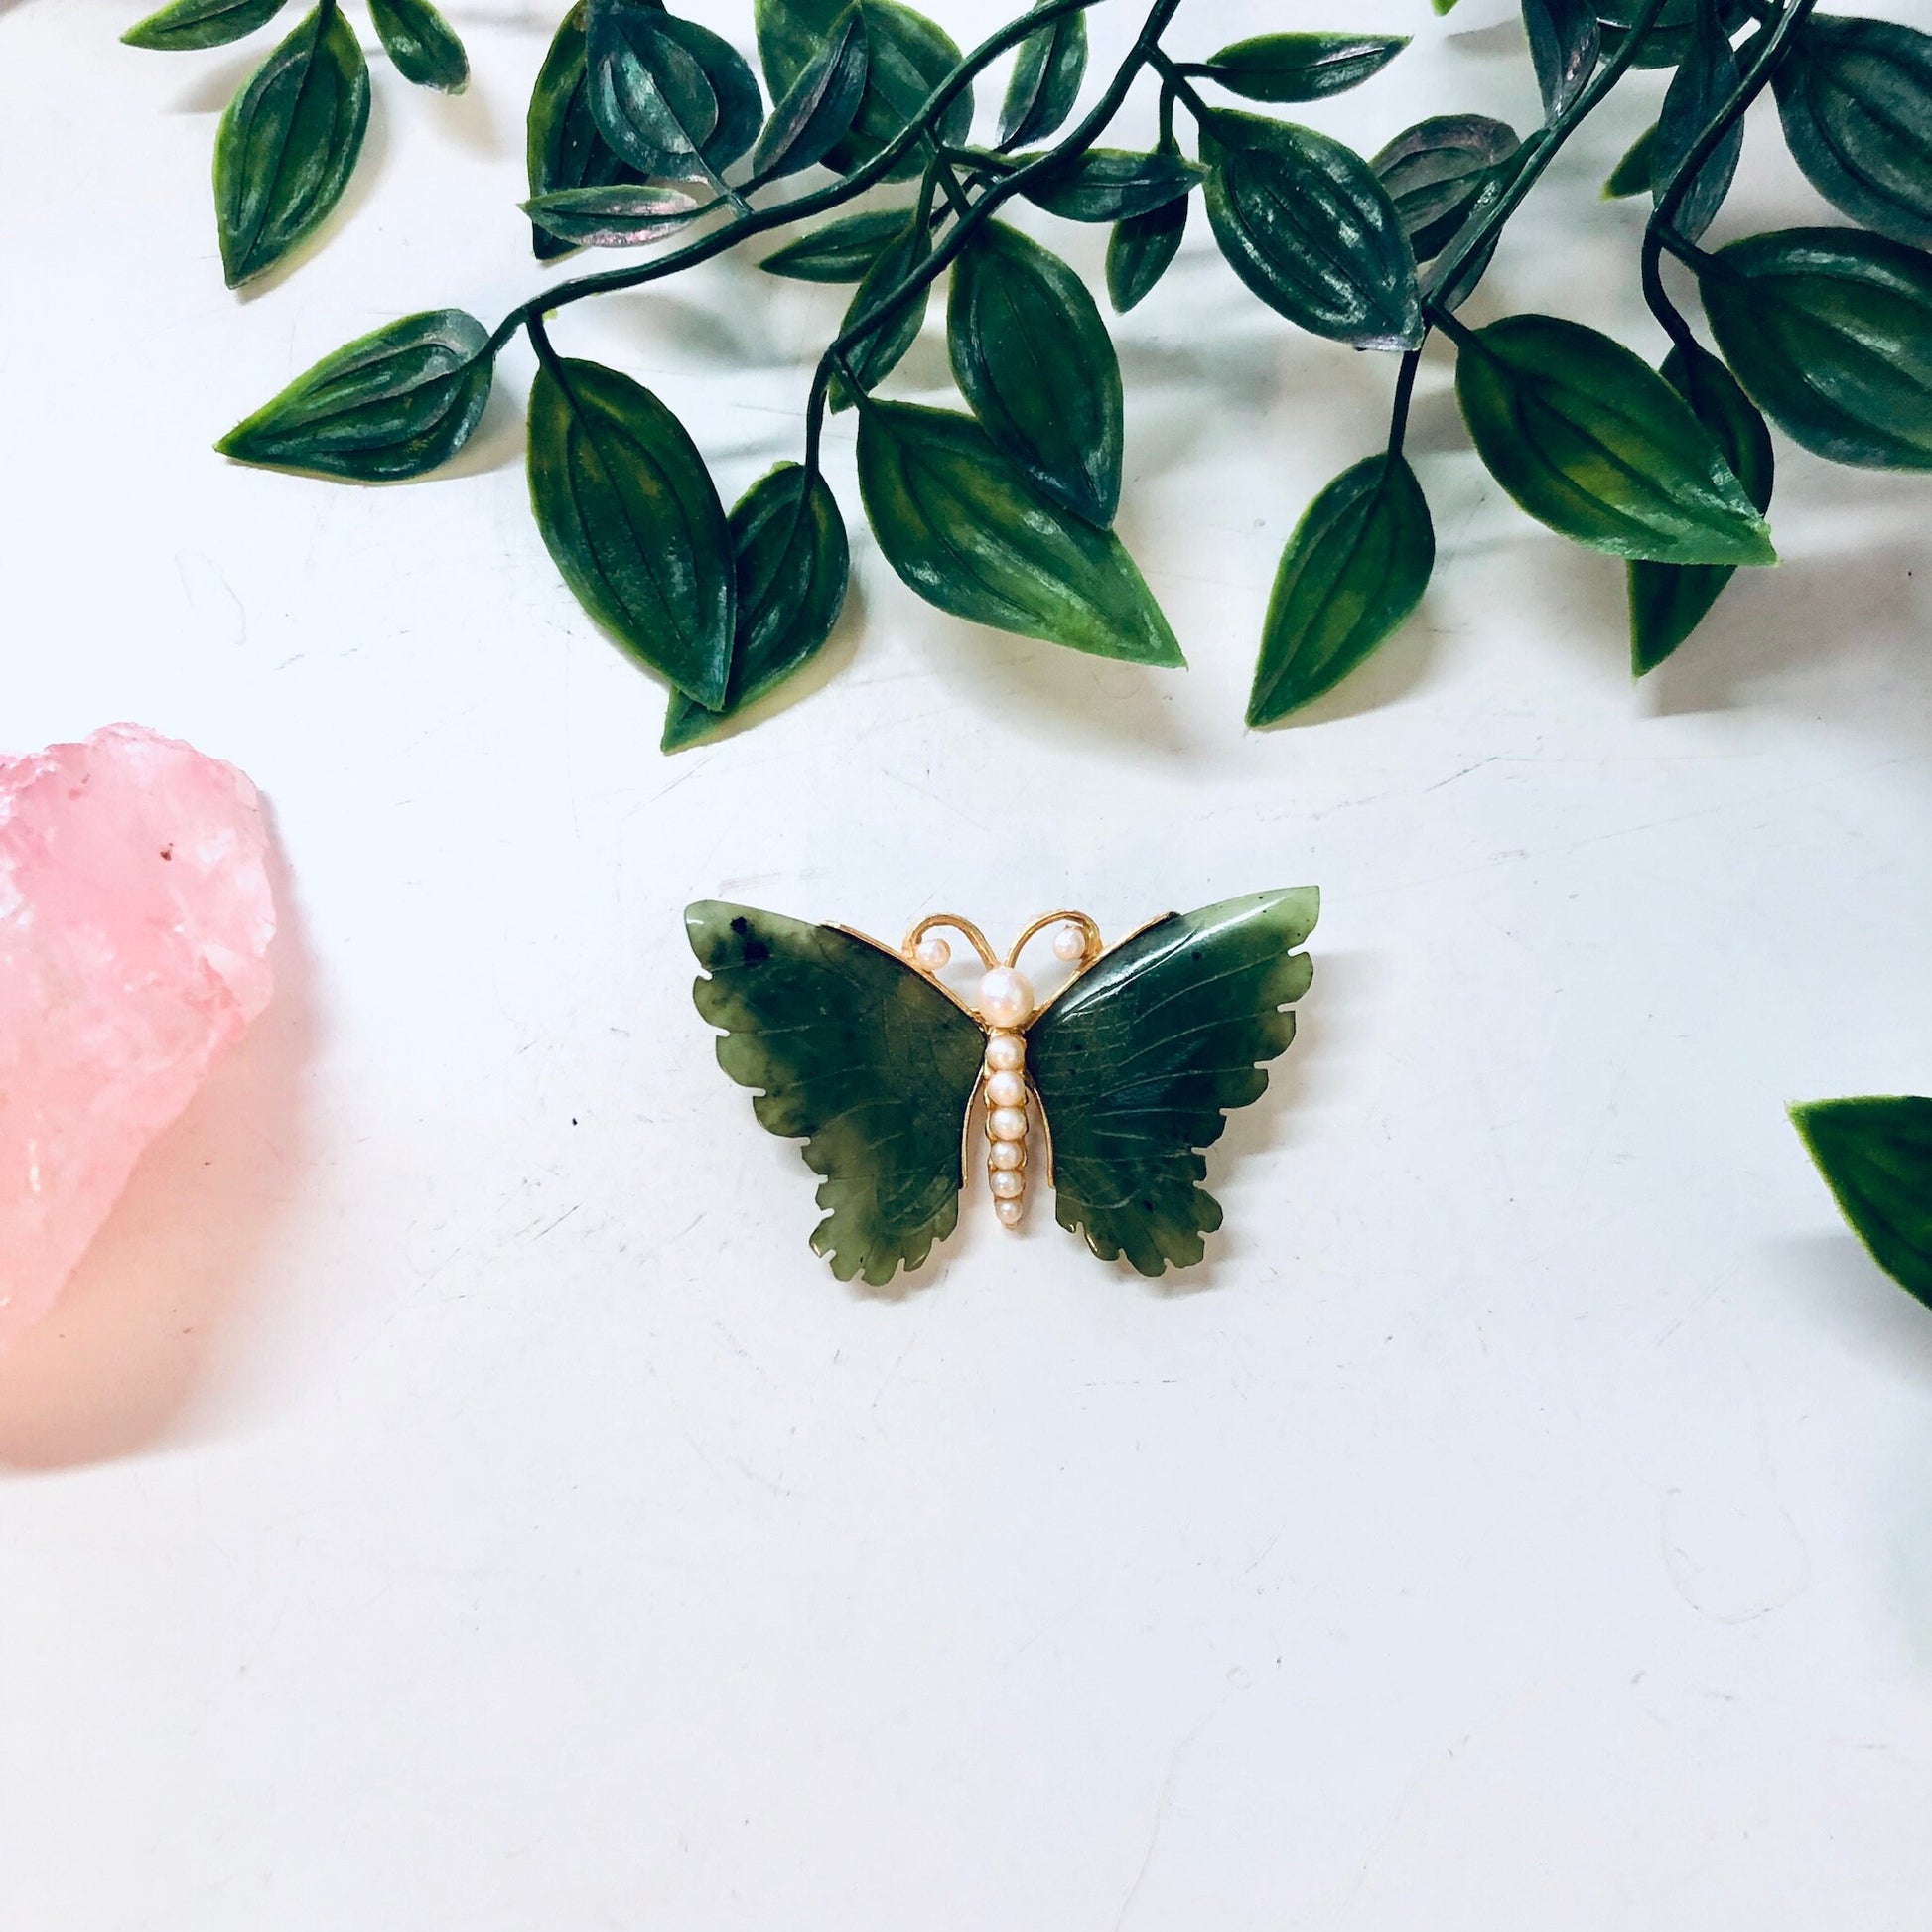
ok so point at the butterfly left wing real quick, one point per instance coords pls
(1136, 1063)
(867, 1061)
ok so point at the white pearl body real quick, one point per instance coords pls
(1006, 1123)
(1006, 1052)
(1006, 1091)
(1006, 999)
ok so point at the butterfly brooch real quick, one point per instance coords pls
(869, 1058)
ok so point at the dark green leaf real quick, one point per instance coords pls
(1875, 1154)
(842, 251)
(1452, 287)
(1599, 447)
(287, 145)
(1433, 171)
(630, 516)
(1140, 249)
(1112, 185)
(1669, 600)
(185, 25)
(1631, 174)
(392, 404)
(970, 533)
(1697, 89)
(1669, 37)
(1046, 75)
(564, 149)
(422, 43)
(1033, 359)
(630, 215)
(877, 352)
(1305, 222)
(1565, 41)
(1831, 331)
(1855, 99)
(1354, 568)
(670, 97)
(818, 107)
(1298, 67)
(790, 552)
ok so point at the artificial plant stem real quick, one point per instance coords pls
(1177, 86)
(1405, 388)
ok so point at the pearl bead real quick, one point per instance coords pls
(1006, 1123)
(1070, 944)
(1006, 1184)
(1006, 1052)
(932, 952)
(1005, 997)
(1006, 1154)
(1006, 1090)
(1009, 1213)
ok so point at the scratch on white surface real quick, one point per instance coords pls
(1162, 1804)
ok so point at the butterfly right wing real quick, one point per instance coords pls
(865, 1060)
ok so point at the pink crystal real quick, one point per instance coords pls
(135, 917)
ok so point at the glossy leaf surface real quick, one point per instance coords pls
(630, 518)
(879, 351)
(1141, 249)
(1594, 443)
(1669, 600)
(1115, 184)
(1138, 1063)
(1831, 333)
(287, 145)
(1354, 568)
(968, 531)
(1875, 1154)
(1856, 99)
(670, 97)
(818, 110)
(1048, 70)
(392, 404)
(840, 252)
(852, 1051)
(1034, 362)
(1303, 222)
(1698, 90)
(185, 25)
(1283, 68)
(1565, 41)
(563, 149)
(1632, 174)
(423, 45)
(790, 558)
(628, 215)
(1433, 173)
(1668, 38)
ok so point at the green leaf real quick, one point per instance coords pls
(1033, 359)
(287, 145)
(790, 562)
(1598, 446)
(630, 215)
(1631, 174)
(1354, 568)
(186, 25)
(1433, 171)
(629, 513)
(1875, 1154)
(669, 96)
(1831, 331)
(1140, 249)
(1669, 35)
(563, 149)
(1298, 67)
(1669, 600)
(818, 110)
(1698, 90)
(422, 43)
(1113, 184)
(392, 404)
(879, 351)
(1856, 99)
(1303, 222)
(971, 534)
(1565, 41)
(1046, 75)
(842, 251)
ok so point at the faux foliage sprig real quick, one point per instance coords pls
(647, 129)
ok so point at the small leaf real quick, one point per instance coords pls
(1354, 568)
(1856, 99)
(842, 251)
(670, 97)
(1140, 249)
(1831, 333)
(1112, 185)
(967, 531)
(1875, 1154)
(790, 563)
(422, 43)
(1565, 41)
(1033, 359)
(185, 25)
(1303, 222)
(392, 404)
(287, 145)
(818, 110)
(1298, 67)
(1669, 37)
(1669, 600)
(1599, 447)
(879, 351)
(564, 149)
(628, 513)
(1698, 90)
(630, 214)
(1047, 76)
(1631, 174)
(1433, 171)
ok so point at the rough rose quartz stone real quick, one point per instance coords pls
(135, 915)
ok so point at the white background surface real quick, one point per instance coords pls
(453, 1496)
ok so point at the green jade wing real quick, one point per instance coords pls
(865, 1055)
